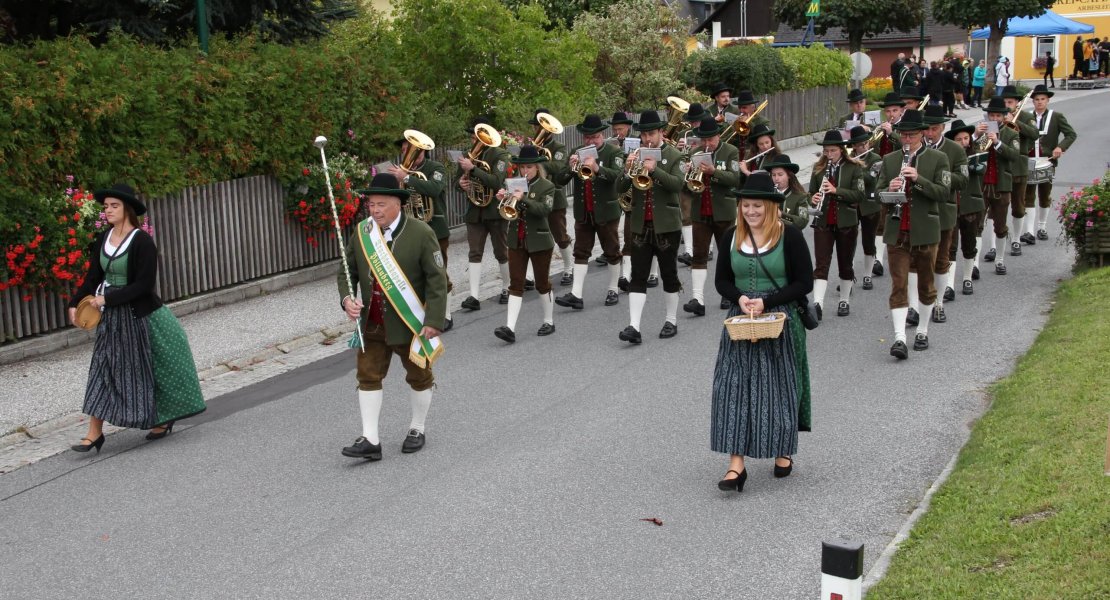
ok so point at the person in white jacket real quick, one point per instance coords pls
(1001, 75)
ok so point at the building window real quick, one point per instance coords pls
(1043, 45)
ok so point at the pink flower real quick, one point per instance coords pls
(1090, 224)
(1074, 216)
(1094, 198)
(69, 178)
(351, 133)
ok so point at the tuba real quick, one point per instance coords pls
(742, 126)
(480, 195)
(419, 206)
(549, 126)
(679, 108)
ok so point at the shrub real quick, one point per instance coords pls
(306, 198)
(756, 67)
(1085, 215)
(817, 66)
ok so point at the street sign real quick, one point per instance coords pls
(814, 9)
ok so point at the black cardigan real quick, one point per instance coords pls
(142, 270)
(799, 269)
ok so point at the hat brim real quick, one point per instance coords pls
(793, 168)
(760, 195)
(832, 143)
(886, 104)
(856, 98)
(906, 97)
(1048, 93)
(911, 127)
(402, 195)
(718, 91)
(698, 133)
(528, 161)
(746, 101)
(859, 140)
(648, 126)
(935, 120)
(695, 118)
(128, 199)
(622, 121)
(1000, 111)
(589, 130)
(753, 136)
(951, 133)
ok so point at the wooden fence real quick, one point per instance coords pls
(214, 236)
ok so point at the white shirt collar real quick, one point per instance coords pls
(392, 228)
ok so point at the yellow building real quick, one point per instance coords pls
(1025, 49)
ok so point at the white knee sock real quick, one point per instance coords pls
(504, 275)
(672, 307)
(530, 274)
(926, 313)
(950, 277)
(475, 270)
(636, 302)
(626, 267)
(881, 256)
(898, 317)
(819, 286)
(911, 291)
(940, 281)
(614, 277)
(568, 259)
(1015, 228)
(548, 302)
(1042, 217)
(688, 238)
(978, 249)
(370, 405)
(845, 290)
(514, 311)
(969, 263)
(868, 264)
(698, 276)
(579, 280)
(655, 267)
(421, 401)
(1000, 245)
(1030, 223)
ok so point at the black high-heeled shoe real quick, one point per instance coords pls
(97, 443)
(736, 483)
(781, 472)
(157, 435)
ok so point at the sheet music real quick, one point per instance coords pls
(872, 117)
(730, 118)
(992, 126)
(454, 155)
(848, 125)
(384, 167)
(653, 153)
(513, 184)
(587, 152)
(701, 158)
(514, 150)
(631, 144)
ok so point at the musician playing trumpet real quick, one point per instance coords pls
(596, 212)
(484, 221)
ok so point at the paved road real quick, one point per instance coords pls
(543, 457)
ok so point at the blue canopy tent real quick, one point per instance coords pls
(1048, 23)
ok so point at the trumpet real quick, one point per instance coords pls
(478, 194)
(679, 108)
(419, 206)
(742, 126)
(549, 126)
(507, 208)
(640, 178)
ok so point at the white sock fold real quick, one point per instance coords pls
(636, 302)
(926, 313)
(548, 302)
(530, 273)
(370, 406)
(940, 281)
(978, 252)
(698, 276)
(614, 276)
(655, 267)
(672, 307)
(568, 259)
(504, 275)
(950, 277)
(688, 238)
(1042, 217)
(514, 311)
(819, 287)
(969, 263)
(1000, 246)
(911, 291)
(421, 401)
(626, 267)
(846, 290)
(475, 271)
(898, 317)
(579, 279)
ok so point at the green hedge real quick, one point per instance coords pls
(765, 70)
(817, 66)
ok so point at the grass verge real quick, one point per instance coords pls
(1026, 512)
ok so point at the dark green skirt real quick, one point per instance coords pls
(176, 387)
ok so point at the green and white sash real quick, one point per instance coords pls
(397, 289)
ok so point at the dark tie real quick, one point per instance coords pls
(1039, 122)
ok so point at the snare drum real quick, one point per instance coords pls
(1041, 170)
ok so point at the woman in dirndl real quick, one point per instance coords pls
(761, 389)
(142, 373)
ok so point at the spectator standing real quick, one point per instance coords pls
(1090, 52)
(1001, 75)
(1049, 64)
(960, 70)
(897, 71)
(1077, 57)
(935, 84)
(949, 83)
(1104, 55)
(978, 80)
(922, 75)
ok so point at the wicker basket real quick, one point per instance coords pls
(742, 327)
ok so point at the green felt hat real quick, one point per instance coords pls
(781, 161)
(591, 124)
(649, 120)
(385, 184)
(912, 120)
(529, 155)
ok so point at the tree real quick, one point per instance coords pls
(642, 49)
(563, 12)
(995, 13)
(856, 18)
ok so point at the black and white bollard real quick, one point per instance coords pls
(841, 571)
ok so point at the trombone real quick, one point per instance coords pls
(487, 136)
(549, 126)
(419, 206)
(1011, 120)
(742, 126)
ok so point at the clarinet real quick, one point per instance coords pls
(820, 192)
(907, 158)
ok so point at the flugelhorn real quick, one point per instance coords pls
(549, 126)
(742, 126)
(486, 136)
(640, 178)
(419, 206)
(507, 208)
(581, 170)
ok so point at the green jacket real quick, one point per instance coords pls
(1057, 126)
(870, 204)
(971, 201)
(1008, 151)
(726, 161)
(534, 209)
(957, 165)
(498, 160)
(668, 180)
(1027, 135)
(715, 111)
(557, 163)
(933, 186)
(610, 163)
(851, 189)
(436, 187)
(795, 210)
(416, 250)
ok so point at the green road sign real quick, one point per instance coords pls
(814, 9)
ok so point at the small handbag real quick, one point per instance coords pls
(807, 312)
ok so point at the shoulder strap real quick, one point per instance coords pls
(755, 250)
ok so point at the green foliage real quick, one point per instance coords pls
(817, 66)
(563, 12)
(756, 67)
(306, 201)
(856, 18)
(471, 57)
(641, 53)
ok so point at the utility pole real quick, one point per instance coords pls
(202, 26)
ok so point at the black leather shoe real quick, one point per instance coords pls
(725, 304)
(820, 313)
(781, 472)
(629, 334)
(471, 303)
(568, 278)
(877, 269)
(842, 309)
(999, 269)
(652, 281)
(685, 258)
(448, 324)
(504, 297)
(969, 288)
(546, 329)
(938, 315)
(898, 350)
(669, 330)
(362, 448)
(1042, 234)
(921, 342)
(612, 298)
(622, 284)
(693, 306)
(504, 333)
(736, 483)
(912, 318)
(569, 300)
(1028, 239)
(529, 284)
(97, 443)
(414, 441)
(867, 284)
(1015, 249)
(975, 273)
(949, 294)
(989, 256)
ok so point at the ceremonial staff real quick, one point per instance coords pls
(320, 142)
